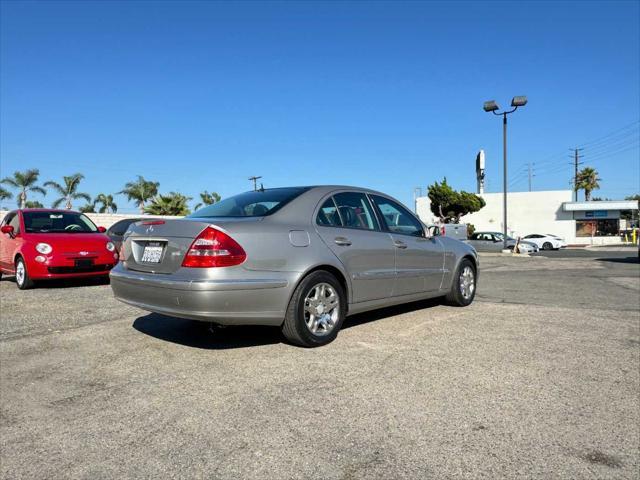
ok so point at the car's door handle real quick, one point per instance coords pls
(345, 242)
(399, 244)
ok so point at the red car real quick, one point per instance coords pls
(38, 244)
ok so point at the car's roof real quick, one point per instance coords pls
(325, 188)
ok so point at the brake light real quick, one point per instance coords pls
(213, 248)
(442, 230)
(153, 222)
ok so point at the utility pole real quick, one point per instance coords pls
(576, 162)
(531, 174)
(417, 192)
(255, 182)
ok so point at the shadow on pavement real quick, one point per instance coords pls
(191, 333)
(619, 259)
(373, 315)
(63, 282)
(196, 334)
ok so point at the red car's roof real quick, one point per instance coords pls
(47, 210)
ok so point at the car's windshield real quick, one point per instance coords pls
(57, 222)
(251, 204)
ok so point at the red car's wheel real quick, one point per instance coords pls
(22, 276)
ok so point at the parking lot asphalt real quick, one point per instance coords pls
(538, 378)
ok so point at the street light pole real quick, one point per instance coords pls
(492, 106)
(504, 181)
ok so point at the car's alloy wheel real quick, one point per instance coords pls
(22, 275)
(321, 309)
(463, 288)
(467, 282)
(547, 246)
(316, 310)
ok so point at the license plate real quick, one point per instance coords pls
(152, 253)
(84, 262)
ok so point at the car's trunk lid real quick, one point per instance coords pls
(159, 246)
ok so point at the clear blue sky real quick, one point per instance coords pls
(388, 95)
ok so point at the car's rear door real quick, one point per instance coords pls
(419, 260)
(348, 226)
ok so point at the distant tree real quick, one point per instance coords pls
(171, 204)
(140, 191)
(68, 190)
(449, 205)
(108, 205)
(5, 194)
(88, 208)
(33, 204)
(207, 199)
(588, 181)
(25, 182)
(629, 214)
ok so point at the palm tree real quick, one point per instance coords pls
(5, 194)
(25, 182)
(171, 204)
(107, 203)
(588, 181)
(207, 199)
(68, 191)
(88, 208)
(33, 204)
(140, 191)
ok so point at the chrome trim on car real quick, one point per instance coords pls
(199, 285)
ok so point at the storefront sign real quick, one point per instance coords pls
(596, 214)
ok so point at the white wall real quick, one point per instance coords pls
(528, 212)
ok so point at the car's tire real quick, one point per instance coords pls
(316, 310)
(547, 246)
(464, 286)
(23, 280)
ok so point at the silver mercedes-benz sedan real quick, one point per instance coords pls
(301, 258)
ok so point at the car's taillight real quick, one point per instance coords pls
(443, 230)
(213, 248)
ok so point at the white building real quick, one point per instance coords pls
(579, 223)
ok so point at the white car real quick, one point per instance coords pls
(545, 241)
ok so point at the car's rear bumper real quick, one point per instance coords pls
(258, 301)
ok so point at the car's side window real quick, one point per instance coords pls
(355, 211)
(15, 223)
(397, 218)
(7, 218)
(328, 214)
(475, 236)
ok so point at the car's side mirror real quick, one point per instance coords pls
(102, 229)
(8, 229)
(434, 231)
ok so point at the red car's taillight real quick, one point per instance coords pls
(213, 248)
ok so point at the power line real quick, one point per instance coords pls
(596, 140)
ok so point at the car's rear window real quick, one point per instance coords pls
(57, 222)
(251, 204)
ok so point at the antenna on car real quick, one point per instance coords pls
(261, 187)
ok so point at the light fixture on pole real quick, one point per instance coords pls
(492, 106)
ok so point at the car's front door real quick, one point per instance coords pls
(419, 260)
(8, 242)
(347, 225)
